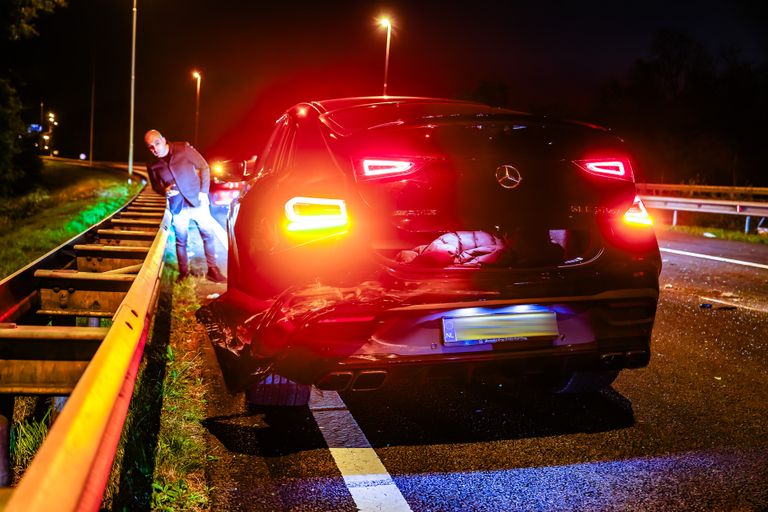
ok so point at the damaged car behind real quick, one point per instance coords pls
(389, 238)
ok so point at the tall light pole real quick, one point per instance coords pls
(384, 22)
(133, 94)
(93, 105)
(196, 75)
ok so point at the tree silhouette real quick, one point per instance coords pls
(691, 117)
(18, 162)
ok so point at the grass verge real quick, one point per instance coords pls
(27, 435)
(179, 481)
(69, 200)
(723, 234)
(160, 462)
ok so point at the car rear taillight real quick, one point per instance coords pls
(316, 213)
(632, 231)
(637, 215)
(375, 168)
(386, 167)
(618, 168)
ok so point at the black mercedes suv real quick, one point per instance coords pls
(388, 237)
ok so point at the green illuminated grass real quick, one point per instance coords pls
(27, 435)
(68, 200)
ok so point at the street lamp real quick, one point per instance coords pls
(385, 22)
(133, 94)
(48, 134)
(196, 76)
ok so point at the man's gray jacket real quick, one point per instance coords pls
(188, 171)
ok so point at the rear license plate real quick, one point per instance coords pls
(478, 330)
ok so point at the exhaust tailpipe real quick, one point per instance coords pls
(368, 380)
(334, 381)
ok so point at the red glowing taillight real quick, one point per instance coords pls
(315, 214)
(618, 168)
(370, 168)
(637, 215)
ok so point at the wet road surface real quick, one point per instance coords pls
(689, 432)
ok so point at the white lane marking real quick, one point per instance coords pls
(367, 479)
(751, 308)
(715, 258)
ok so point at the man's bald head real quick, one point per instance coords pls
(156, 143)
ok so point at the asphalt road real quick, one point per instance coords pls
(689, 432)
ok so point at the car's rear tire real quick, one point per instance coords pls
(276, 390)
(588, 382)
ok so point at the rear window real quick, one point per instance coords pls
(355, 119)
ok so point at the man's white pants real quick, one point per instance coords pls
(201, 215)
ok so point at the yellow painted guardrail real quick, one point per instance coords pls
(70, 470)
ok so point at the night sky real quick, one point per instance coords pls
(259, 58)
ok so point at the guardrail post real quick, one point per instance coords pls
(746, 226)
(674, 217)
(6, 416)
(5, 456)
(57, 404)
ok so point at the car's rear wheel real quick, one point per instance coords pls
(588, 382)
(276, 390)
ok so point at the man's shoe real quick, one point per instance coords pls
(182, 276)
(215, 275)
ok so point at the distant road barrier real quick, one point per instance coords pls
(706, 199)
(660, 189)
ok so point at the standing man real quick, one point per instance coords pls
(181, 174)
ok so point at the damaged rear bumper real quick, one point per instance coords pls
(361, 339)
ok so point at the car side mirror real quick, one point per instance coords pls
(249, 167)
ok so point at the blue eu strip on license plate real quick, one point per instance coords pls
(482, 329)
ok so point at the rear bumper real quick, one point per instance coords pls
(365, 345)
(366, 376)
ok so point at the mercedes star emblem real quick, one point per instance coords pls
(508, 176)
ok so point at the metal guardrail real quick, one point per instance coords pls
(80, 447)
(706, 205)
(697, 202)
(651, 189)
(71, 469)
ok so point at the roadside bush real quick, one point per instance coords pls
(20, 165)
(25, 206)
(10, 129)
